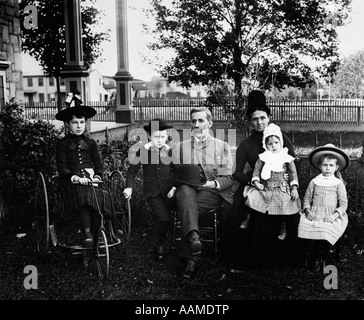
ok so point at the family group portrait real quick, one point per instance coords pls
(181, 157)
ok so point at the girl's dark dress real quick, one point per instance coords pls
(75, 154)
(258, 247)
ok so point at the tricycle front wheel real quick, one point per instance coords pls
(41, 215)
(102, 254)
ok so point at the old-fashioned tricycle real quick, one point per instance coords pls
(113, 231)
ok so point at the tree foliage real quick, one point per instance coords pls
(47, 43)
(349, 80)
(263, 43)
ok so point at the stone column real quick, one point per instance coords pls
(124, 108)
(75, 73)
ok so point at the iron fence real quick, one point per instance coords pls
(48, 110)
(315, 112)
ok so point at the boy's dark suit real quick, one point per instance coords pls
(157, 176)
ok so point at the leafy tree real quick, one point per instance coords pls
(260, 42)
(349, 80)
(47, 43)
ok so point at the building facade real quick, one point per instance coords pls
(97, 92)
(11, 86)
(40, 88)
(160, 88)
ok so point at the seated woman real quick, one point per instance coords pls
(79, 163)
(258, 246)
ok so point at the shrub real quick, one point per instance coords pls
(115, 157)
(29, 147)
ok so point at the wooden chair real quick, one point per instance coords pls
(208, 228)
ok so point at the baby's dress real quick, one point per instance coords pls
(275, 199)
(324, 196)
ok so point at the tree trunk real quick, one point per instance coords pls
(239, 112)
(58, 85)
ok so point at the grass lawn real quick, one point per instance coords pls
(135, 275)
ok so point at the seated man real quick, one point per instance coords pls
(213, 158)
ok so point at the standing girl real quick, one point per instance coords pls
(271, 192)
(324, 217)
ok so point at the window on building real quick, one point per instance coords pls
(30, 82)
(63, 83)
(40, 82)
(41, 97)
(51, 82)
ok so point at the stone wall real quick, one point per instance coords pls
(10, 49)
(10, 63)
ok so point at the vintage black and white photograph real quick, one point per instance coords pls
(183, 155)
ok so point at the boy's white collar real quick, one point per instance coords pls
(149, 145)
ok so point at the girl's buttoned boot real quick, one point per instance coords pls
(245, 224)
(282, 231)
(320, 262)
(85, 258)
(85, 218)
(89, 240)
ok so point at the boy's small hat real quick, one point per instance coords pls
(157, 124)
(316, 154)
(188, 174)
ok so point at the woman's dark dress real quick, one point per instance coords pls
(258, 247)
(74, 154)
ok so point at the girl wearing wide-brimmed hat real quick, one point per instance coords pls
(324, 217)
(78, 163)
